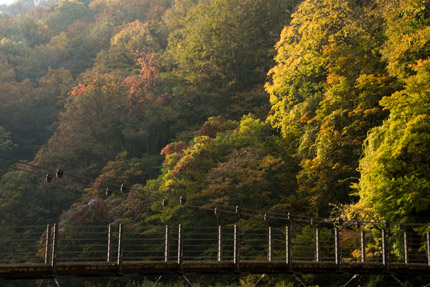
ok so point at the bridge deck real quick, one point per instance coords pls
(93, 269)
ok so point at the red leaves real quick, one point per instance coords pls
(78, 90)
(142, 88)
(174, 148)
(214, 125)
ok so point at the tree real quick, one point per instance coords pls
(20, 205)
(221, 55)
(121, 57)
(394, 170)
(224, 165)
(64, 14)
(325, 91)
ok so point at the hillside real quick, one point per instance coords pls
(319, 108)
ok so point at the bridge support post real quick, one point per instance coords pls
(270, 243)
(219, 255)
(317, 244)
(166, 244)
(385, 246)
(54, 249)
(236, 248)
(363, 245)
(180, 248)
(109, 244)
(47, 241)
(120, 251)
(288, 245)
(338, 258)
(428, 248)
(405, 246)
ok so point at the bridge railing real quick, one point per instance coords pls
(143, 244)
(82, 244)
(22, 244)
(310, 243)
(200, 243)
(417, 251)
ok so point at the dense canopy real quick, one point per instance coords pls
(320, 108)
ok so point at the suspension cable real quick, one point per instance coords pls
(258, 281)
(350, 280)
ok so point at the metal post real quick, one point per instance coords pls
(109, 244)
(405, 245)
(180, 247)
(166, 245)
(269, 252)
(317, 244)
(120, 251)
(338, 258)
(219, 257)
(54, 247)
(236, 248)
(428, 248)
(288, 244)
(363, 246)
(384, 248)
(47, 241)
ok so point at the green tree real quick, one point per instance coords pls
(64, 14)
(394, 171)
(225, 165)
(5, 141)
(220, 52)
(325, 90)
(121, 57)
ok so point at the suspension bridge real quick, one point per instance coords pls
(38, 252)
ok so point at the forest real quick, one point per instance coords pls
(318, 108)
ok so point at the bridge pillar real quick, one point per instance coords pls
(236, 248)
(288, 244)
(428, 248)
(120, 251)
(385, 246)
(363, 245)
(166, 244)
(47, 243)
(180, 248)
(219, 255)
(54, 249)
(405, 246)
(109, 244)
(338, 258)
(317, 244)
(270, 242)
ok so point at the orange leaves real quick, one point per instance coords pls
(142, 89)
(77, 90)
(174, 148)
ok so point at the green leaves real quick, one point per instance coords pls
(395, 170)
(325, 91)
(241, 164)
(223, 48)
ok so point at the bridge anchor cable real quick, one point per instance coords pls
(186, 280)
(350, 280)
(398, 280)
(299, 280)
(258, 281)
(156, 282)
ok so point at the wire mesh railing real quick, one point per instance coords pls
(82, 244)
(200, 243)
(304, 242)
(143, 245)
(22, 244)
